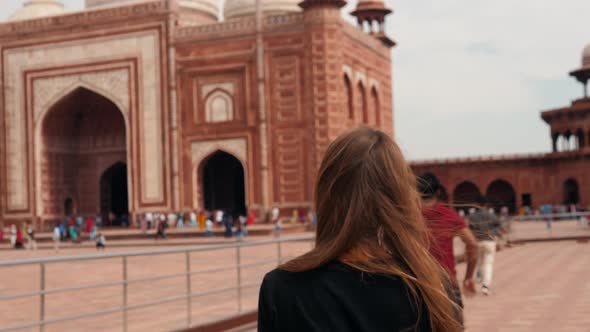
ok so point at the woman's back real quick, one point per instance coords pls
(336, 297)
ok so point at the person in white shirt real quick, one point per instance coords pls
(149, 218)
(13, 235)
(56, 238)
(219, 217)
(208, 228)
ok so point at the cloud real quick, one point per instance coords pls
(490, 65)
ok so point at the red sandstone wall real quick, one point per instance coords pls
(543, 178)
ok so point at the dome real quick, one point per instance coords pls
(38, 8)
(237, 8)
(207, 6)
(586, 56)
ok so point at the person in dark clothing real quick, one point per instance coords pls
(370, 269)
(161, 230)
(337, 297)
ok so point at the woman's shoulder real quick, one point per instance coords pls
(334, 272)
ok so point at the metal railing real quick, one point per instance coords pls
(553, 216)
(126, 281)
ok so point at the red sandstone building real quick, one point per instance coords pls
(558, 177)
(161, 106)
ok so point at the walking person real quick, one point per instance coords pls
(180, 220)
(208, 228)
(203, 217)
(487, 228)
(149, 218)
(274, 215)
(193, 218)
(101, 242)
(444, 224)
(161, 230)
(370, 269)
(19, 239)
(31, 242)
(13, 235)
(57, 236)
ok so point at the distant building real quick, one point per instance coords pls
(559, 177)
(136, 106)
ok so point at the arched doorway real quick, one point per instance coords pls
(80, 135)
(68, 206)
(223, 183)
(113, 192)
(466, 193)
(501, 193)
(571, 193)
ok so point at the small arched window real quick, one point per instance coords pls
(376, 106)
(219, 107)
(363, 102)
(349, 99)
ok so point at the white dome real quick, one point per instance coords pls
(207, 6)
(38, 8)
(586, 56)
(237, 8)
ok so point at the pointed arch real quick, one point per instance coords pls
(65, 135)
(500, 193)
(363, 101)
(349, 97)
(376, 106)
(571, 192)
(223, 186)
(219, 106)
(466, 193)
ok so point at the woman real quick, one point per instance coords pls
(370, 269)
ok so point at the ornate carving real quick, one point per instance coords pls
(83, 18)
(277, 21)
(240, 26)
(219, 107)
(234, 146)
(113, 83)
(142, 44)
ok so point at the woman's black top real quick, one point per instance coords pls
(336, 297)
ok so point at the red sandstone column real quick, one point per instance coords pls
(324, 90)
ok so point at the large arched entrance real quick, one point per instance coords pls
(223, 183)
(501, 193)
(113, 192)
(466, 193)
(80, 136)
(571, 193)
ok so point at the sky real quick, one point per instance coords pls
(471, 77)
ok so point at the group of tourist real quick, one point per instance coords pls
(235, 224)
(73, 227)
(17, 236)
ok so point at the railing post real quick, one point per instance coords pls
(42, 299)
(124, 293)
(239, 276)
(189, 309)
(279, 253)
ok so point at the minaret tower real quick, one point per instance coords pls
(370, 15)
(583, 74)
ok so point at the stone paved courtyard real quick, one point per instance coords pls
(537, 287)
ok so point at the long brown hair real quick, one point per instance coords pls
(369, 217)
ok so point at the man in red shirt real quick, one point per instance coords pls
(444, 225)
